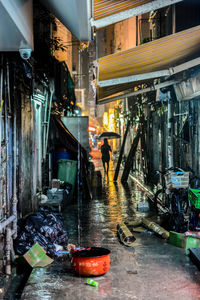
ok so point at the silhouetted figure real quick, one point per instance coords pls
(105, 149)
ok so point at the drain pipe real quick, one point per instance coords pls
(8, 251)
(9, 181)
(1, 107)
(49, 114)
(8, 152)
(170, 134)
(8, 88)
(6, 222)
(45, 127)
(6, 139)
(15, 200)
(50, 169)
(12, 218)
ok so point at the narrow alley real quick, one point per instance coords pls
(159, 270)
(100, 149)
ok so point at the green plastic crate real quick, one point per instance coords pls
(176, 239)
(194, 197)
(181, 241)
(191, 242)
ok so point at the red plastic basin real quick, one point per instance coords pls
(92, 262)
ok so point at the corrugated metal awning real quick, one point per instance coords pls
(106, 12)
(149, 60)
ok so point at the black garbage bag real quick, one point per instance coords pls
(45, 228)
(52, 227)
(26, 240)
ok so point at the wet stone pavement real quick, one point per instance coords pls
(163, 271)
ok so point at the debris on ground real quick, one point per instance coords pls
(36, 257)
(143, 206)
(132, 272)
(68, 250)
(159, 219)
(195, 234)
(44, 228)
(126, 237)
(155, 227)
(139, 229)
(136, 222)
(92, 282)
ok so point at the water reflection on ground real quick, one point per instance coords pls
(163, 271)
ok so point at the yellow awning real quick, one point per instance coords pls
(106, 12)
(157, 55)
(103, 92)
(105, 8)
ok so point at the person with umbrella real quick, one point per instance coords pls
(105, 151)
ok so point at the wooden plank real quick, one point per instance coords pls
(130, 157)
(121, 151)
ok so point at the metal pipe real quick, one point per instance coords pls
(50, 169)
(1, 103)
(15, 200)
(170, 134)
(49, 114)
(8, 141)
(7, 222)
(173, 18)
(8, 87)
(8, 251)
(45, 128)
(6, 131)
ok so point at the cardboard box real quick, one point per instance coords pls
(179, 240)
(36, 257)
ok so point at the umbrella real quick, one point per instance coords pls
(108, 135)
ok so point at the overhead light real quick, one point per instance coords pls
(91, 129)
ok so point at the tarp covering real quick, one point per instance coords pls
(61, 136)
(66, 138)
(154, 56)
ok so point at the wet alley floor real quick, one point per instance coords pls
(163, 271)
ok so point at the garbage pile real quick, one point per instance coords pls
(44, 228)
